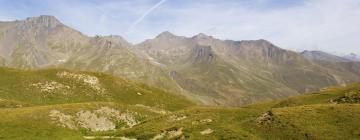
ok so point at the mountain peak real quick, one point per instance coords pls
(165, 34)
(260, 43)
(46, 20)
(202, 36)
(110, 40)
(42, 17)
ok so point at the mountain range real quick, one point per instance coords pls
(352, 57)
(201, 68)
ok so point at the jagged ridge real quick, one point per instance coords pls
(208, 70)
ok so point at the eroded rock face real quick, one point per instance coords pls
(62, 119)
(92, 121)
(103, 119)
(175, 133)
(113, 113)
(265, 118)
(172, 133)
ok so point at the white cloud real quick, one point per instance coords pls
(145, 14)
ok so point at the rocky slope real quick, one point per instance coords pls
(202, 68)
(236, 72)
(343, 69)
(42, 42)
(37, 42)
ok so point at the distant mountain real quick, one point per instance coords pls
(235, 72)
(338, 66)
(352, 57)
(323, 56)
(202, 68)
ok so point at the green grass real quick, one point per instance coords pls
(24, 111)
(321, 121)
(17, 85)
(35, 123)
(322, 97)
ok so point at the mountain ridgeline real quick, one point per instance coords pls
(202, 68)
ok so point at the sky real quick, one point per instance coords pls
(328, 25)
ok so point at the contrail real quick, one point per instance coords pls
(145, 14)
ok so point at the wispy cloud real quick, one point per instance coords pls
(145, 14)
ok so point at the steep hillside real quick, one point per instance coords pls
(42, 42)
(202, 68)
(244, 71)
(56, 86)
(37, 42)
(62, 104)
(110, 55)
(344, 70)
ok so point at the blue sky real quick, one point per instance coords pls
(329, 25)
